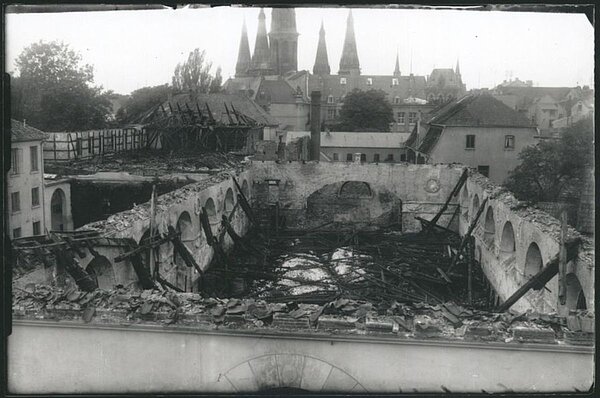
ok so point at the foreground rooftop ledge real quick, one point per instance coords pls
(273, 333)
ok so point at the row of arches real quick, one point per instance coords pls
(533, 261)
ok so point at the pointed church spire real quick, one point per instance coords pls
(397, 68)
(349, 62)
(321, 66)
(243, 60)
(261, 56)
(457, 71)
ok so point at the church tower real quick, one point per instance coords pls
(349, 64)
(321, 66)
(243, 60)
(261, 64)
(284, 41)
(397, 67)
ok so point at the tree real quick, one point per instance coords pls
(194, 75)
(142, 100)
(53, 90)
(365, 110)
(554, 169)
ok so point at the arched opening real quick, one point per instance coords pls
(229, 202)
(490, 226)
(475, 205)
(464, 203)
(100, 269)
(187, 236)
(245, 189)
(57, 204)
(507, 243)
(533, 261)
(575, 296)
(355, 189)
(211, 211)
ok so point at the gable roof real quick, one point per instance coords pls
(20, 132)
(276, 91)
(478, 110)
(216, 103)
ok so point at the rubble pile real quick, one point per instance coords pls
(149, 162)
(419, 320)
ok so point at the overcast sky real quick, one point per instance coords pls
(133, 49)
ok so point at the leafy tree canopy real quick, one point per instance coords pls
(140, 101)
(193, 75)
(53, 91)
(554, 170)
(365, 111)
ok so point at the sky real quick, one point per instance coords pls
(134, 49)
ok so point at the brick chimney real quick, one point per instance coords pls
(315, 125)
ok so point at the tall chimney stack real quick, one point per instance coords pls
(315, 125)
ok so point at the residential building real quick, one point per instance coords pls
(477, 130)
(372, 147)
(25, 182)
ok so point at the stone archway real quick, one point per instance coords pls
(102, 271)
(507, 241)
(533, 261)
(489, 235)
(211, 211)
(290, 371)
(57, 211)
(464, 203)
(185, 228)
(575, 296)
(229, 202)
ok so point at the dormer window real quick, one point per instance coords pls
(342, 80)
(369, 81)
(396, 100)
(394, 81)
(330, 99)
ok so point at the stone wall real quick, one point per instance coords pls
(422, 189)
(514, 241)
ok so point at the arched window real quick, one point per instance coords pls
(475, 205)
(507, 243)
(229, 201)
(575, 296)
(57, 213)
(490, 226)
(464, 203)
(211, 211)
(533, 261)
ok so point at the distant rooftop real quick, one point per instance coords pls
(20, 131)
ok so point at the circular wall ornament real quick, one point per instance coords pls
(432, 185)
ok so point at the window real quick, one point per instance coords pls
(342, 80)
(470, 141)
(17, 233)
(485, 170)
(509, 142)
(35, 196)
(15, 161)
(412, 117)
(335, 157)
(363, 157)
(15, 201)
(37, 228)
(330, 113)
(396, 100)
(401, 117)
(330, 99)
(349, 157)
(390, 157)
(394, 82)
(403, 157)
(376, 157)
(33, 155)
(369, 81)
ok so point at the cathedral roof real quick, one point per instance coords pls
(349, 61)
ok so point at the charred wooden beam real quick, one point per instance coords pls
(183, 251)
(467, 235)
